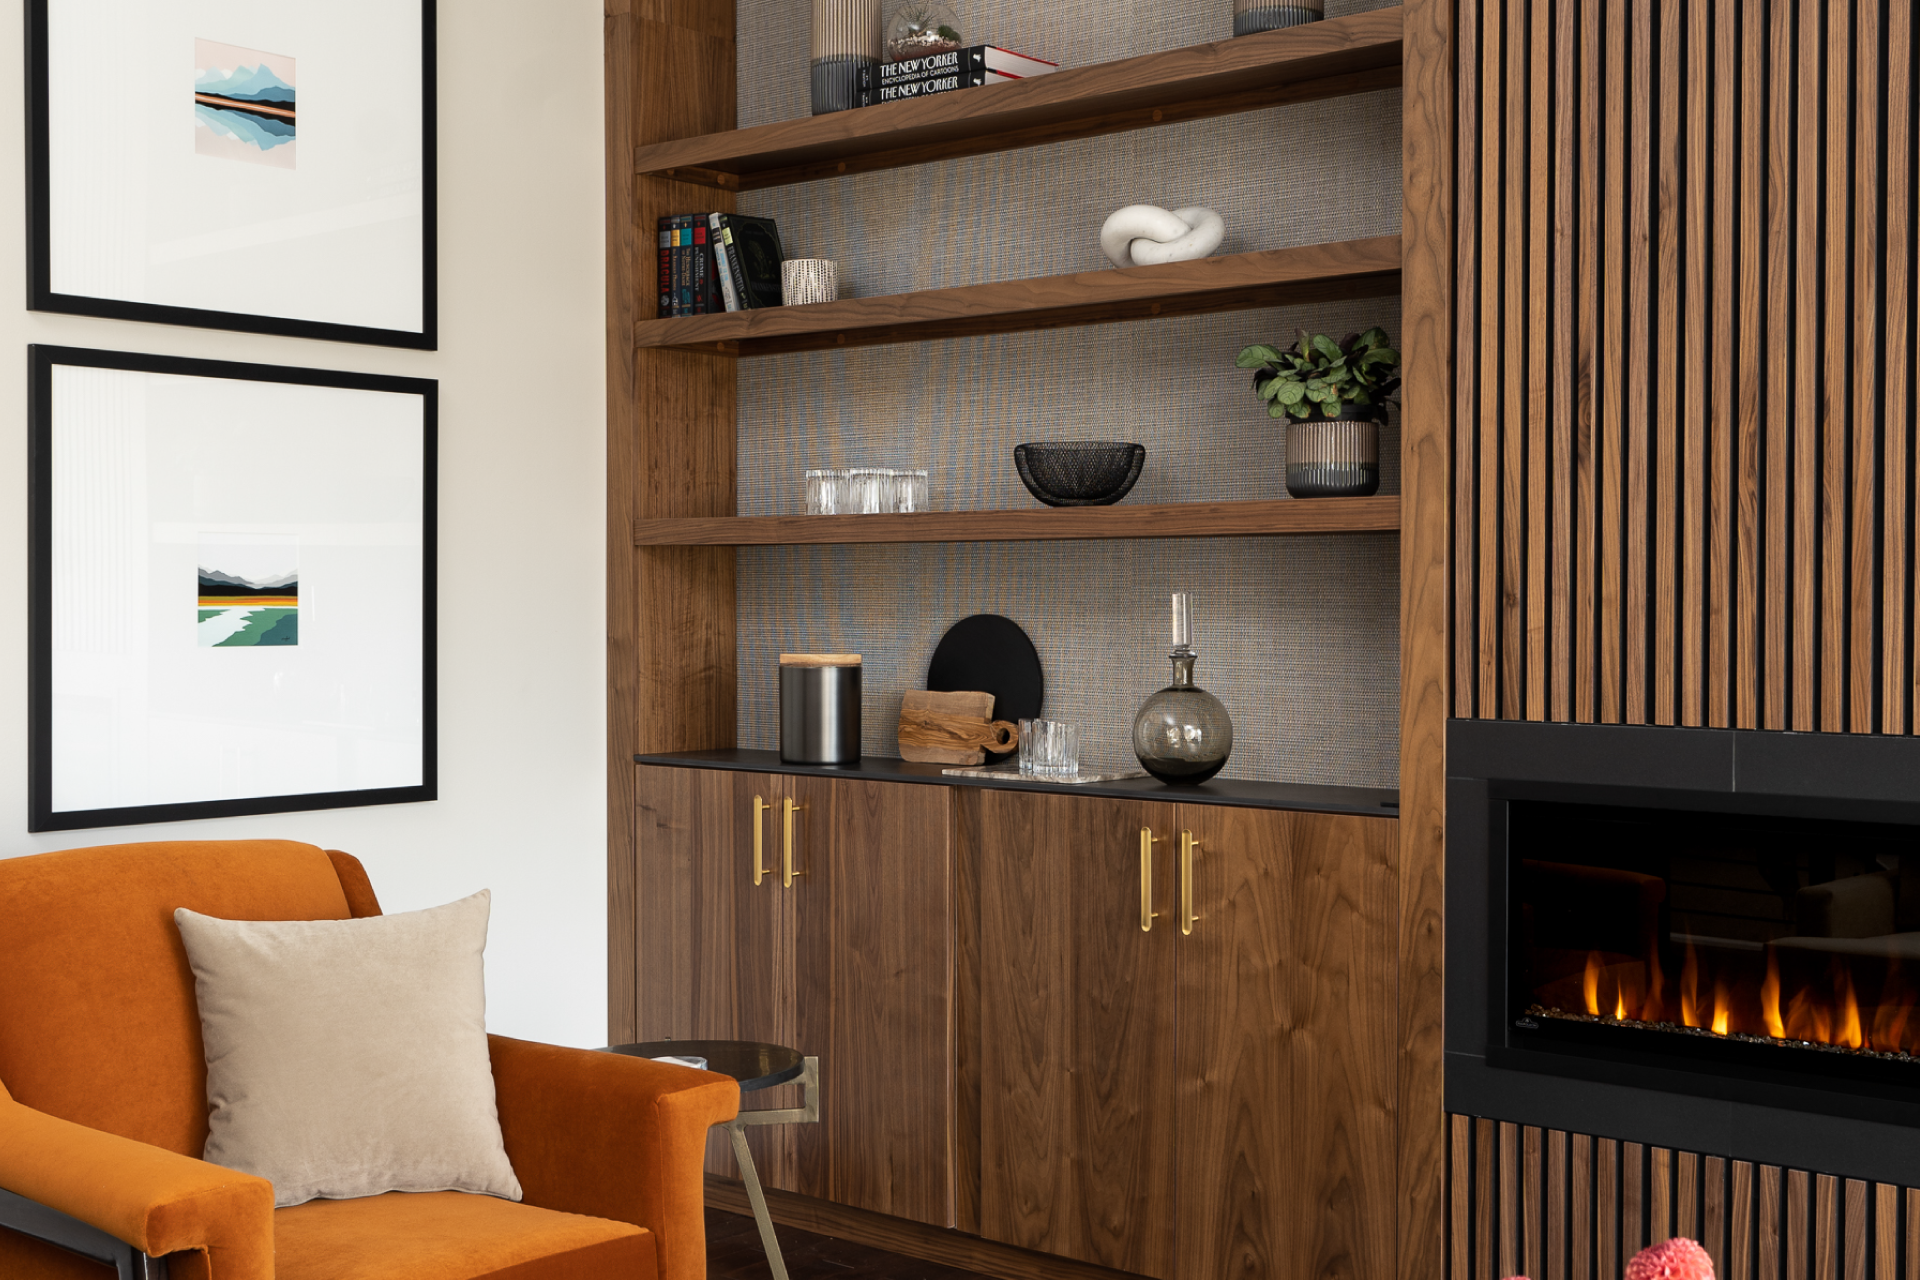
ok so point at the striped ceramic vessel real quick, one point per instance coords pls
(846, 37)
(1250, 16)
(1339, 459)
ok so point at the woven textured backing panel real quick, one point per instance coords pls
(775, 37)
(959, 406)
(1299, 637)
(1286, 176)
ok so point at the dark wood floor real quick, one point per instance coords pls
(734, 1253)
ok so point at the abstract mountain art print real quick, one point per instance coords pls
(249, 591)
(243, 104)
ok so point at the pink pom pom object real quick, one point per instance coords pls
(1675, 1259)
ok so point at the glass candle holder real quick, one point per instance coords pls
(846, 39)
(1250, 16)
(1049, 749)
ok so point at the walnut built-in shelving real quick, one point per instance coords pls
(1271, 518)
(674, 400)
(1346, 55)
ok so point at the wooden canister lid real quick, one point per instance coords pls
(819, 659)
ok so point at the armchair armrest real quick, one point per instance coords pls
(154, 1199)
(614, 1137)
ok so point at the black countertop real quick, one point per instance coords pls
(1371, 801)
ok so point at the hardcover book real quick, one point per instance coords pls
(754, 256)
(973, 58)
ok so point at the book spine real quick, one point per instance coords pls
(683, 270)
(679, 265)
(927, 88)
(702, 268)
(666, 268)
(934, 64)
(735, 265)
(716, 239)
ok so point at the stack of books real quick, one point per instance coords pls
(944, 72)
(713, 262)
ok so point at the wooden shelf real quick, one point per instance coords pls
(1271, 277)
(1046, 524)
(1326, 59)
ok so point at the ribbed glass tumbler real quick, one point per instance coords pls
(1250, 16)
(846, 38)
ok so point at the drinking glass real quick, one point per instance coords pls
(1049, 749)
(910, 490)
(871, 491)
(816, 491)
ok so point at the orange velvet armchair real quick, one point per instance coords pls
(103, 1111)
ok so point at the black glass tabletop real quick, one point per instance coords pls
(754, 1065)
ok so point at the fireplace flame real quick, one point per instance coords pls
(1590, 985)
(1690, 989)
(1849, 1016)
(1722, 1009)
(1620, 1006)
(1770, 998)
(1890, 1019)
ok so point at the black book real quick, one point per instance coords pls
(682, 264)
(706, 286)
(754, 254)
(978, 57)
(666, 268)
(907, 91)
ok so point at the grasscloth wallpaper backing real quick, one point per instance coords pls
(1298, 636)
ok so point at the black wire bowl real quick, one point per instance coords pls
(1079, 473)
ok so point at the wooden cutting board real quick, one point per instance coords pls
(973, 706)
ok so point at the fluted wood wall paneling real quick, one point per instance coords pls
(1569, 1206)
(1682, 405)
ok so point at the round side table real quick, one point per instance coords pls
(756, 1066)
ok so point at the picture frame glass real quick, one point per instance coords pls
(237, 593)
(239, 159)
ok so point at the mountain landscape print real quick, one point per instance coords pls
(243, 104)
(249, 592)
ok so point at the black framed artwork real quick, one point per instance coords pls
(293, 195)
(231, 589)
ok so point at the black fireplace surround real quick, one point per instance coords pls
(1690, 938)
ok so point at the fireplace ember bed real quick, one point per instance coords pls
(1725, 943)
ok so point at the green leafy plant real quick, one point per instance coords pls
(1319, 378)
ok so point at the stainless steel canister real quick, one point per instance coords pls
(820, 708)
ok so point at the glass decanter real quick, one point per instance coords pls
(1183, 735)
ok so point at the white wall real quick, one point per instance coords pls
(522, 495)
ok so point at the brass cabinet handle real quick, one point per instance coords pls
(1187, 914)
(1147, 914)
(760, 809)
(788, 872)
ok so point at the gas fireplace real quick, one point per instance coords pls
(1741, 940)
(1692, 938)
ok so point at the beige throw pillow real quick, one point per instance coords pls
(349, 1057)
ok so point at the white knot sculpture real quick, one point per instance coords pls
(1145, 235)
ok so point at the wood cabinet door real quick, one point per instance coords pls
(886, 1085)
(1286, 1035)
(1077, 1090)
(797, 975)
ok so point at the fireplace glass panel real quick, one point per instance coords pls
(1780, 943)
